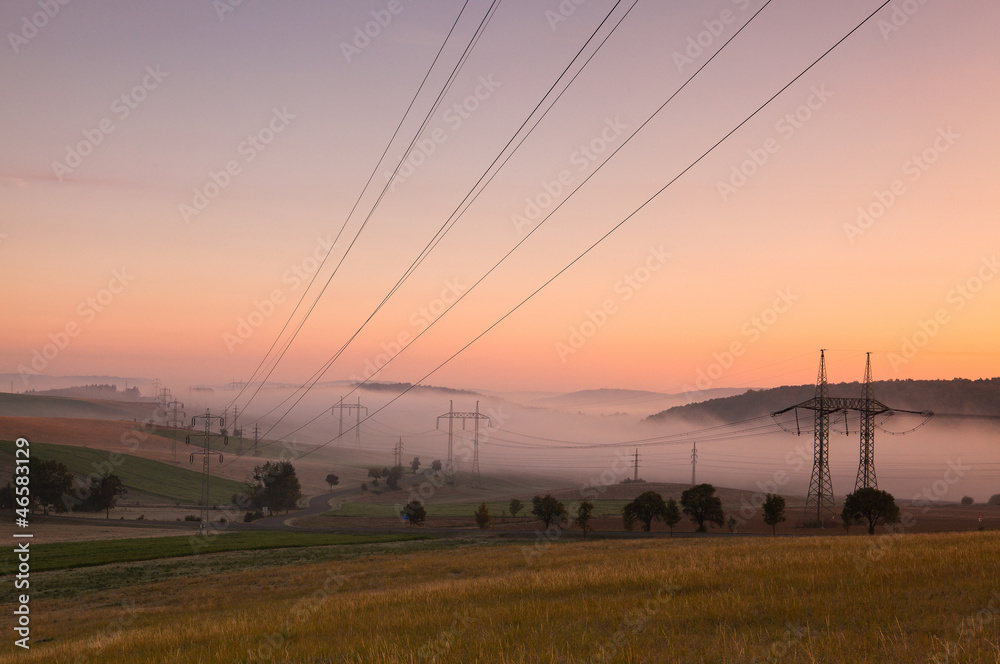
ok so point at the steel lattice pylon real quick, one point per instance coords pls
(451, 416)
(866, 467)
(820, 499)
(820, 494)
(205, 454)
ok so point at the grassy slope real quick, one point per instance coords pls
(729, 600)
(152, 478)
(68, 555)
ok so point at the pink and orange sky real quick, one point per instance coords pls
(759, 249)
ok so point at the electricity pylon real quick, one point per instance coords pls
(397, 453)
(694, 461)
(451, 416)
(357, 408)
(820, 496)
(205, 453)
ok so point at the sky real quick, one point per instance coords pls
(172, 175)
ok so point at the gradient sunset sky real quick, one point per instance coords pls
(858, 211)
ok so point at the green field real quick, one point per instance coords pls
(68, 555)
(496, 508)
(908, 599)
(153, 479)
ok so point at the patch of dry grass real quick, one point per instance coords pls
(693, 600)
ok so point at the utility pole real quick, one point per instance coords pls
(205, 453)
(255, 439)
(397, 453)
(694, 462)
(451, 416)
(866, 468)
(635, 472)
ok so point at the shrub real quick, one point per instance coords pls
(967, 500)
(192, 517)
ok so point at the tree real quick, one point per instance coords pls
(583, 515)
(968, 500)
(51, 484)
(994, 499)
(436, 465)
(273, 485)
(548, 509)
(483, 517)
(103, 495)
(646, 507)
(415, 464)
(515, 506)
(414, 512)
(332, 480)
(774, 510)
(872, 505)
(702, 505)
(375, 473)
(393, 476)
(672, 515)
(7, 497)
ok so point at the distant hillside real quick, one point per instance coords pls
(107, 392)
(37, 405)
(968, 397)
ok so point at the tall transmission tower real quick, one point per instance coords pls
(475, 416)
(635, 471)
(256, 438)
(694, 462)
(340, 407)
(205, 453)
(177, 414)
(866, 468)
(820, 496)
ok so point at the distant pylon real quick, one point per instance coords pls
(451, 416)
(694, 462)
(397, 453)
(635, 471)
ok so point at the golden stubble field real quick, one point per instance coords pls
(910, 598)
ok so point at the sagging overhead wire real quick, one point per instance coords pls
(550, 214)
(631, 215)
(464, 205)
(430, 113)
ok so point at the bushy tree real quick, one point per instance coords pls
(436, 465)
(103, 495)
(332, 480)
(483, 517)
(515, 506)
(703, 506)
(414, 512)
(646, 507)
(967, 501)
(393, 476)
(583, 515)
(273, 485)
(548, 509)
(994, 499)
(415, 464)
(672, 515)
(51, 484)
(375, 473)
(872, 505)
(774, 510)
